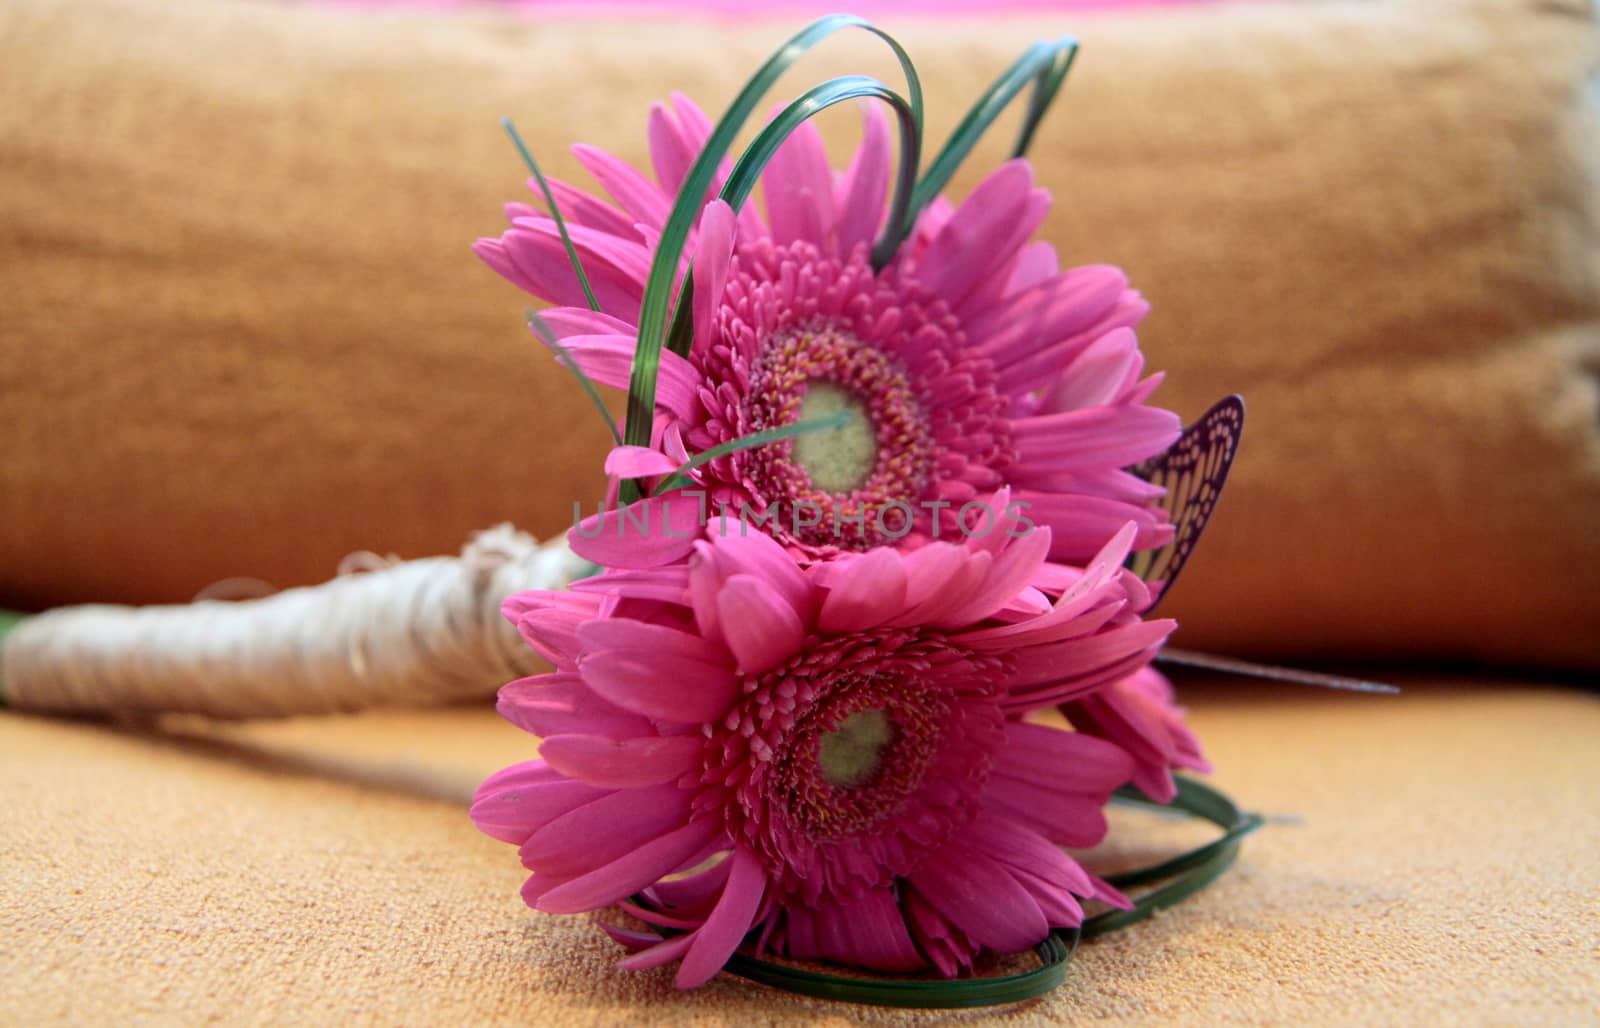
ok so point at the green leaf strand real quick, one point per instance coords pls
(697, 183)
(542, 329)
(1190, 872)
(680, 477)
(555, 212)
(1045, 65)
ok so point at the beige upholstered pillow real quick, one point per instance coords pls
(241, 333)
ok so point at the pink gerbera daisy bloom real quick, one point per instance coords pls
(829, 759)
(968, 363)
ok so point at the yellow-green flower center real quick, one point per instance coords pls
(839, 459)
(851, 752)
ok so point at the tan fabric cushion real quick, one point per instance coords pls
(1441, 871)
(241, 334)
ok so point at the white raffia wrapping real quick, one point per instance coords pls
(420, 632)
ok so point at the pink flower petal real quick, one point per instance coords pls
(608, 360)
(1063, 307)
(1056, 672)
(728, 924)
(629, 258)
(661, 920)
(581, 208)
(661, 585)
(940, 580)
(984, 234)
(1040, 359)
(604, 830)
(1063, 818)
(1116, 550)
(1088, 591)
(946, 946)
(1079, 525)
(1099, 374)
(798, 186)
(549, 622)
(869, 931)
(694, 124)
(558, 703)
(493, 253)
(628, 636)
(992, 528)
(865, 184)
(630, 873)
(929, 572)
(667, 686)
(670, 151)
(516, 802)
(623, 763)
(658, 955)
(642, 199)
(713, 254)
(638, 462)
(1035, 263)
(649, 533)
(1141, 392)
(545, 270)
(1020, 849)
(1095, 437)
(632, 941)
(1139, 716)
(982, 899)
(867, 591)
(1009, 575)
(1071, 761)
(566, 322)
(758, 623)
(676, 138)
(734, 549)
(695, 893)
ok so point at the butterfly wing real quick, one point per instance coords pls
(1193, 472)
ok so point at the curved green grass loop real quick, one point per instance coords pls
(1184, 874)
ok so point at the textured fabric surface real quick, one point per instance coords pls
(1442, 869)
(242, 333)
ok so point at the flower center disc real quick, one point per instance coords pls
(855, 471)
(853, 750)
(839, 459)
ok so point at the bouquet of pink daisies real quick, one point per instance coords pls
(890, 483)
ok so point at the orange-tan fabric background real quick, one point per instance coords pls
(241, 333)
(1442, 871)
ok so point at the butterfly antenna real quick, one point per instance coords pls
(1273, 672)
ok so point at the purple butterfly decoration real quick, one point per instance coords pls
(1193, 472)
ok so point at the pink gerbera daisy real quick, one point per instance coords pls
(969, 362)
(828, 759)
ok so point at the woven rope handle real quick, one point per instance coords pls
(416, 633)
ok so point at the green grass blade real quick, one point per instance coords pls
(1188, 872)
(742, 181)
(753, 162)
(9, 620)
(1043, 64)
(555, 212)
(686, 209)
(542, 329)
(1045, 87)
(1054, 953)
(680, 477)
